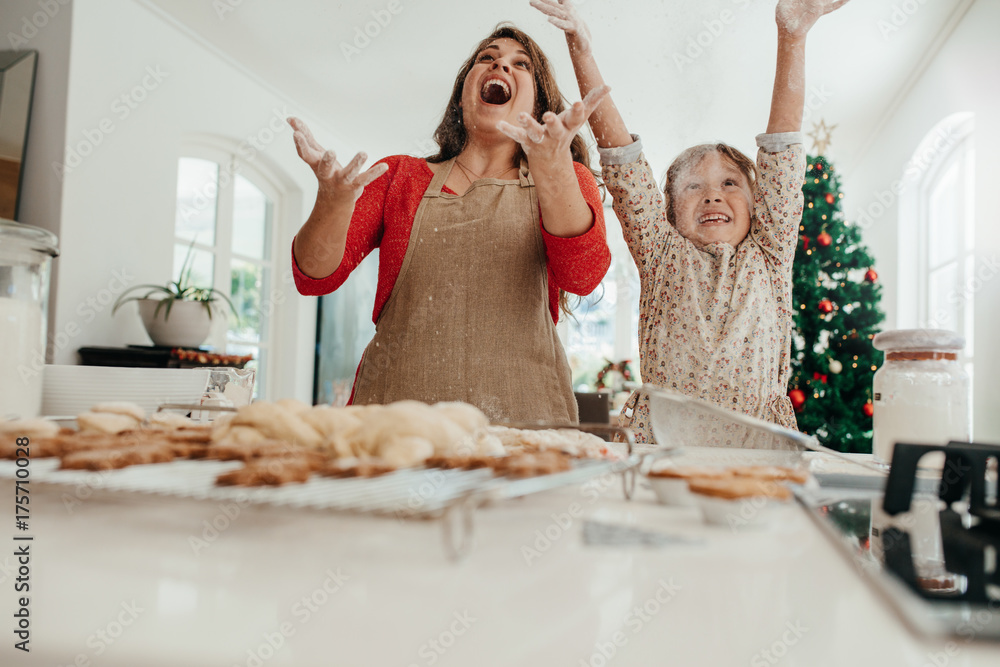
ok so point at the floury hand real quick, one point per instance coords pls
(336, 183)
(552, 137)
(563, 15)
(796, 17)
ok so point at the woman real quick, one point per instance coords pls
(475, 242)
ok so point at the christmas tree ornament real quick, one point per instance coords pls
(824, 239)
(798, 398)
(830, 199)
(836, 367)
(871, 276)
(821, 137)
(805, 242)
(820, 376)
(868, 409)
(825, 306)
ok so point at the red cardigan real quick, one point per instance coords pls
(383, 218)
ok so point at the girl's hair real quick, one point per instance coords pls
(451, 135)
(692, 156)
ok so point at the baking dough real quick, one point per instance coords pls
(105, 422)
(170, 420)
(339, 428)
(29, 428)
(411, 418)
(406, 451)
(121, 408)
(278, 423)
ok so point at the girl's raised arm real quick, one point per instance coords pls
(607, 124)
(794, 18)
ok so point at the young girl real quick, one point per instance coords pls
(714, 249)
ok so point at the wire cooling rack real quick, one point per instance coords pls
(433, 493)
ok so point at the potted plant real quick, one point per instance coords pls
(182, 315)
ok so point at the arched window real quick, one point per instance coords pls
(227, 218)
(937, 232)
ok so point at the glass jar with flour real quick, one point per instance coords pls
(921, 392)
(26, 254)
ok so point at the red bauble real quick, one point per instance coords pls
(824, 239)
(871, 276)
(798, 398)
(805, 242)
(830, 198)
(820, 376)
(819, 166)
(868, 409)
(825, 306)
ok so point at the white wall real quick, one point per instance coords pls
(963, 77)
(120, 182)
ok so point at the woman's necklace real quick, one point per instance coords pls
(469, 173)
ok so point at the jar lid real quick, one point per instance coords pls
(918, 339)
(28, 236)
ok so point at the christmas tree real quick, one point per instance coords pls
(836, 294)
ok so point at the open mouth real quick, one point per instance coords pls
(714, 219)
(495, 91)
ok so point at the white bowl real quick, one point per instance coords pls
(737, 513)
(672, 491)
(69, 390)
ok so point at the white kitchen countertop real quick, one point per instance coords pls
(120, 579)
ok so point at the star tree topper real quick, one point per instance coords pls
(821, 136)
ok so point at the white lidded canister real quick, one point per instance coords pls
(26, 254)
(921, 393)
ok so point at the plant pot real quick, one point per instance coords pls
(187, 325)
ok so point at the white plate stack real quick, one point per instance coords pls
(69, 390)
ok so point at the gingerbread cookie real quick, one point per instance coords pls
(267, 472)
(113, 459)
(353, 467)
(772, 473)
(533, 465)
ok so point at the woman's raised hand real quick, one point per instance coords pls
(339, 183)
(563, 15)
(796, 17)
(551, 138)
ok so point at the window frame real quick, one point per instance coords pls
(922, 172)
(227, 155)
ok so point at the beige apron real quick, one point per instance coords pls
(468, 318)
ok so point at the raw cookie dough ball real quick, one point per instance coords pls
(34, 427)
(121, 408)
(277, 423)
(105, 422)
(338, 428)
(406, 451)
